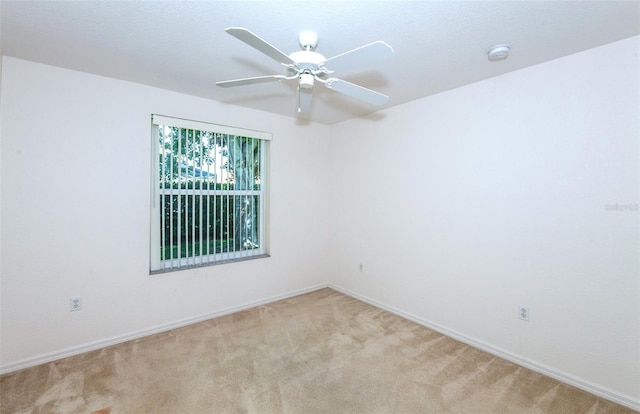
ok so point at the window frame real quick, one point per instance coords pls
(156, 263)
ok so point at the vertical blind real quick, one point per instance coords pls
(208, 194)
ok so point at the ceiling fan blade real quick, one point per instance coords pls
(304, 100)
(249, 81)
(254, 41)
(360, 57)
(356, 91)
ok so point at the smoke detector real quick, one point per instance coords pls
(499, 52)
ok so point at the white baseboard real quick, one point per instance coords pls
(92, 346)
(567, 378)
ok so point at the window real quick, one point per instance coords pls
(208, 194)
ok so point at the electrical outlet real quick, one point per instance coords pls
(360, 267)
(75, 303)
(523, 313)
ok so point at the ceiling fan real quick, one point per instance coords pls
(307, 67)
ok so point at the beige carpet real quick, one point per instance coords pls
(322, 352)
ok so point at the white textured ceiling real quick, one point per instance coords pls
(182, 46)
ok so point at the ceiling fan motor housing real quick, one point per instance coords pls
(308, 65)
(306, 58)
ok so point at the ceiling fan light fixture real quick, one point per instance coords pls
(306, 81)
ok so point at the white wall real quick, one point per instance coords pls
(75, 214)
(0, 166)
(464, 205)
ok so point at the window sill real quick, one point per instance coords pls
(240, 259)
